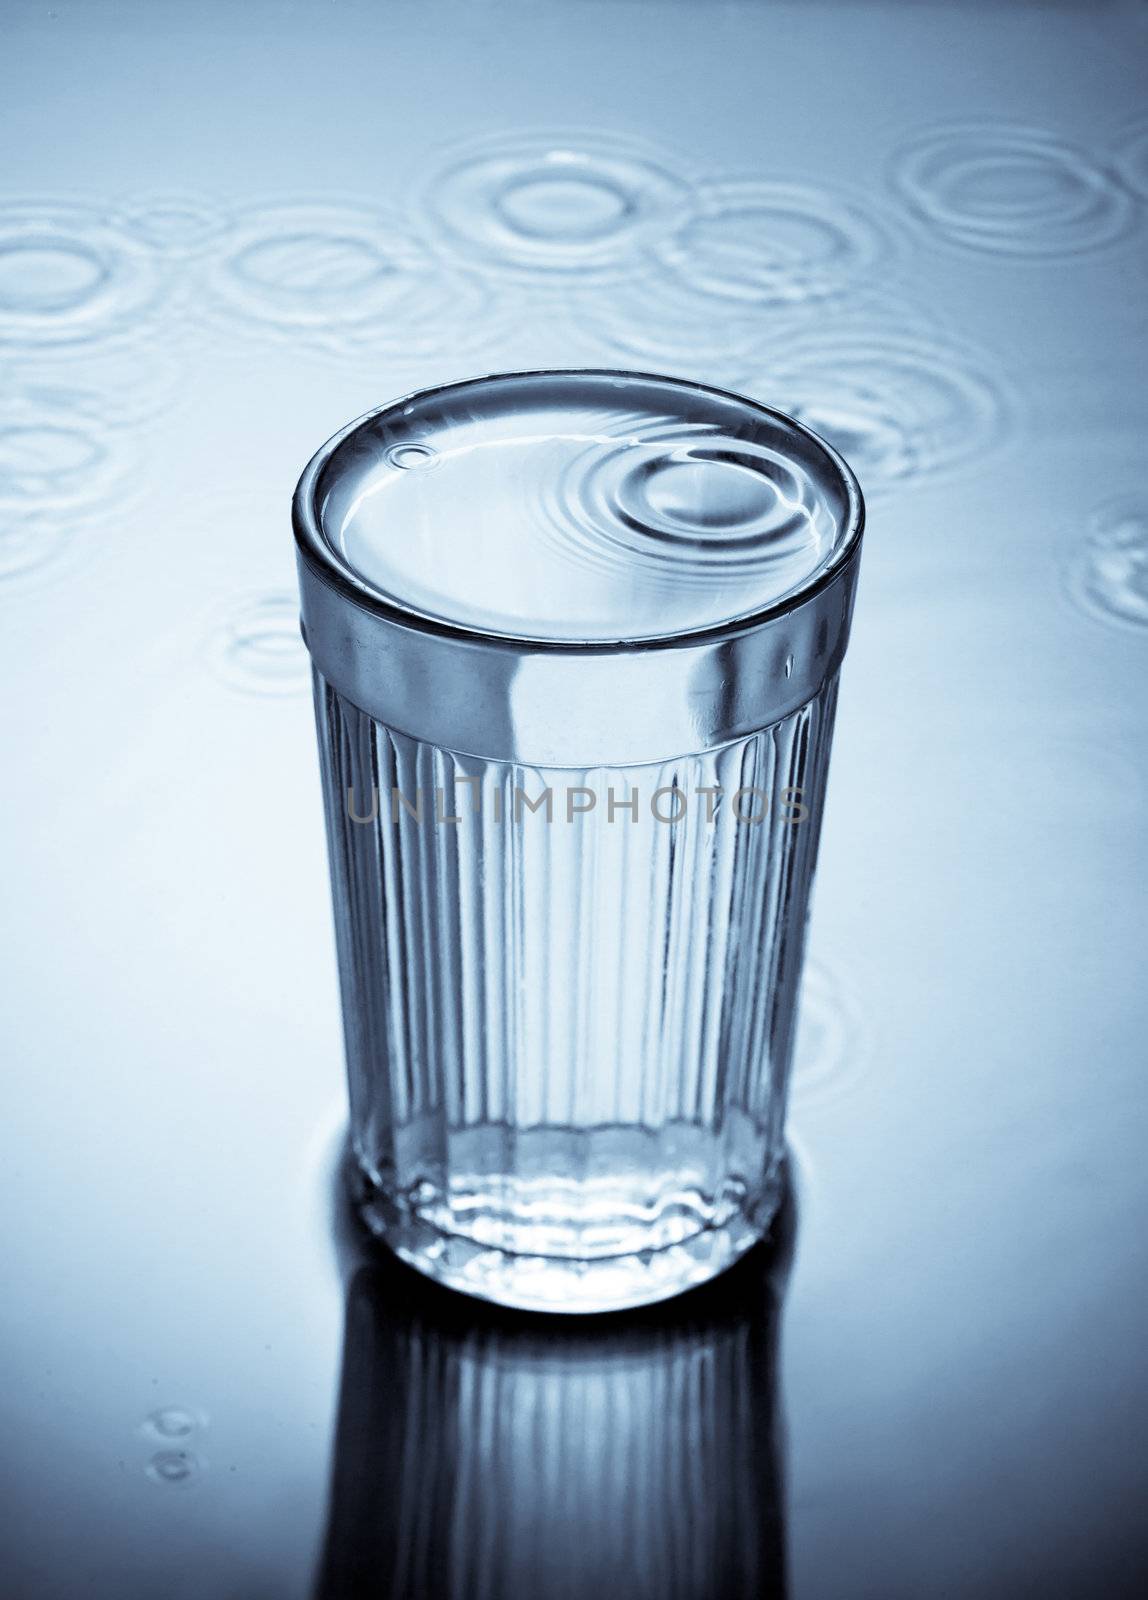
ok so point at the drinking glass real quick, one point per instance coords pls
(576, 639)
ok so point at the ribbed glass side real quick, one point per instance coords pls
(568, 1000)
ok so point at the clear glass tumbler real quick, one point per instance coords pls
(576, 639)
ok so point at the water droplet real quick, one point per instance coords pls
(554, 202)
(768, 243)
(68, 276)
(1109, 576)
(789, 666)
(1009, 189)
(175, 1467)
(257, 646)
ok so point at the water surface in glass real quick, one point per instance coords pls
(587, 506)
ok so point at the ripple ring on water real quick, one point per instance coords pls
(256, 645)
(1010, 190)
(552, 202)
(173, 223)
(662, 320)
(350, 276)
(315, 265)
(56, 454)
(760, 242)
(70, 276)
(830, 1056)
(686, 507)
(897, 405)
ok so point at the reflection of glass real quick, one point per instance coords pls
(490, 1455)
(576, 640)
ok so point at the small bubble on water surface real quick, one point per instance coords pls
(412, 456)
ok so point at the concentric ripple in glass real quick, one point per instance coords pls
(597, 509)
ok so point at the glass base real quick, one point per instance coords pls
(561, 1281)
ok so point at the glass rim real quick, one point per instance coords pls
(319, 551)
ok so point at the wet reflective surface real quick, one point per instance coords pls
(923, 228)
(479, 1452)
